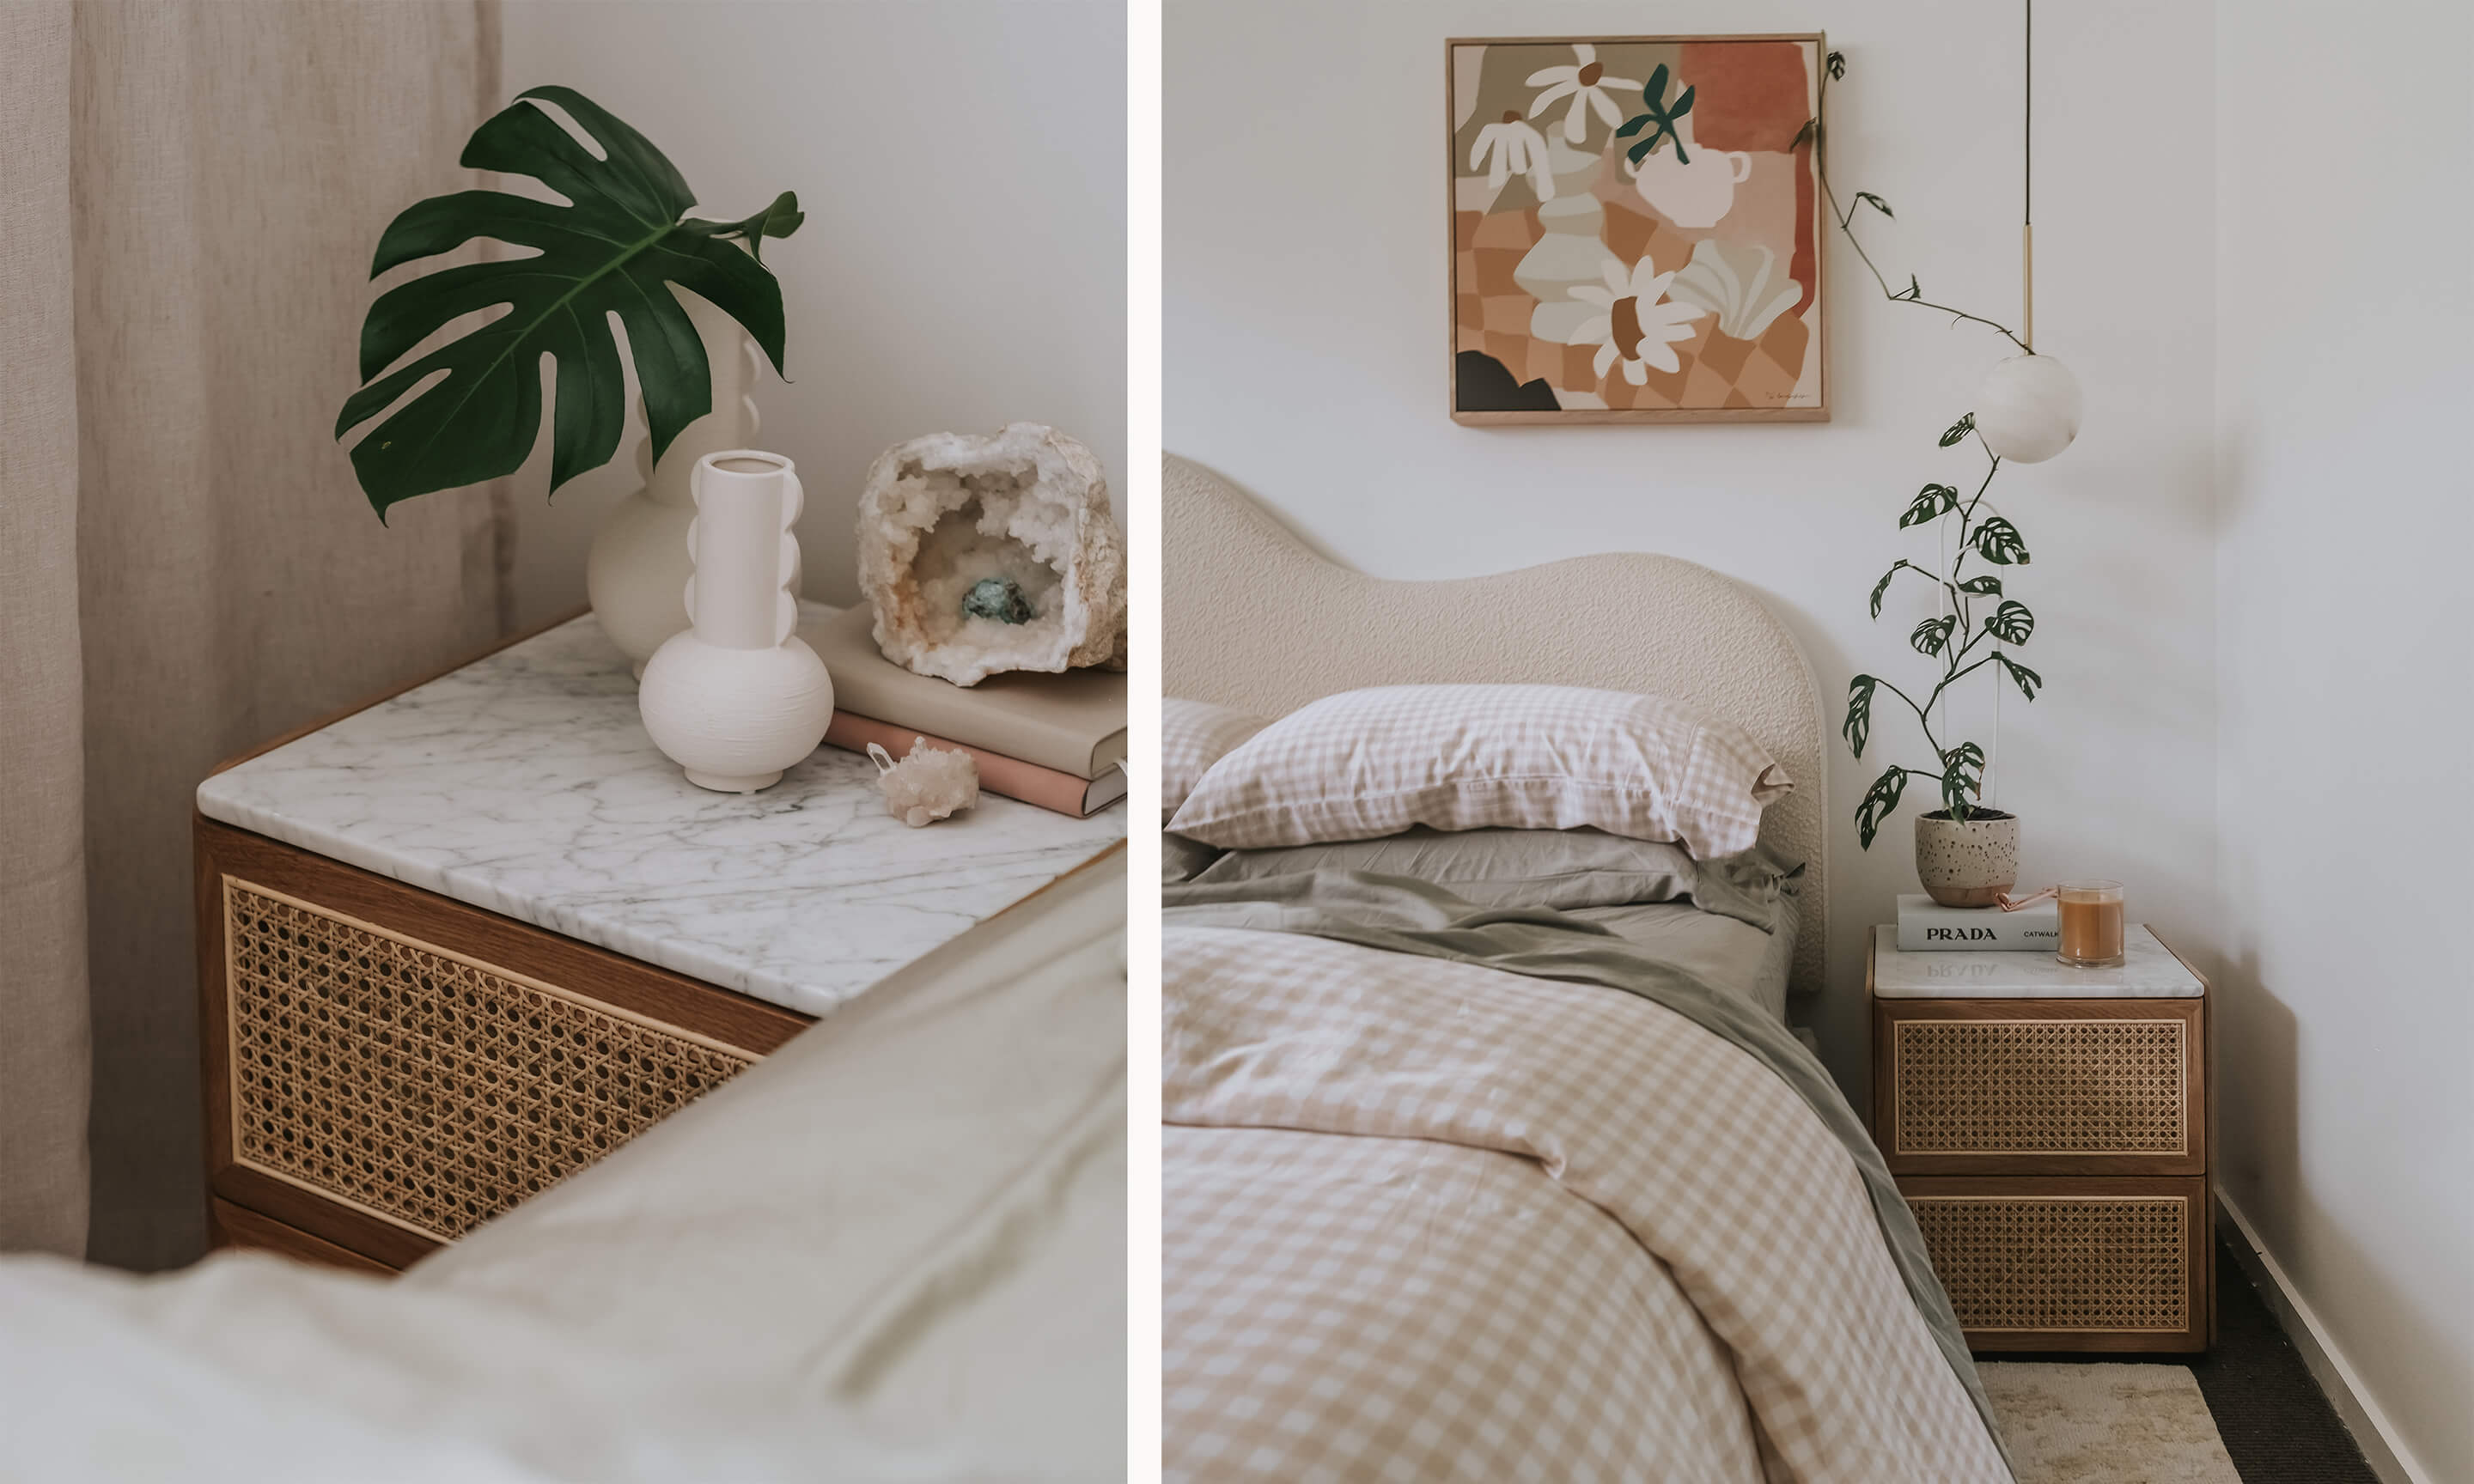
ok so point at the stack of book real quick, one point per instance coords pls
(1926, 926)
(1052, 740)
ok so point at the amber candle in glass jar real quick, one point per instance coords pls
(2091, 913)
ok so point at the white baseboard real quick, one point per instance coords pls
(2361, 1415)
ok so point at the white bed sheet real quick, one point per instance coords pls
(895, 1250)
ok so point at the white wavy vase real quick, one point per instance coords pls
(639, 563)
(738, 697)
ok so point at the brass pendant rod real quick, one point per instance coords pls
(2027, 185)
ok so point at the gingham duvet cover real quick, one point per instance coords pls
(1429, 1220)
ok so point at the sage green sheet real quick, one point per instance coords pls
(1402, 915)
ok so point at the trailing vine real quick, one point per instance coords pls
(1956, 634)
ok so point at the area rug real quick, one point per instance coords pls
(2106, 1423)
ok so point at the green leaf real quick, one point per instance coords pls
(1810, 131)
(1858, 724)
(2011, 623)
(1999, 542)
(1932, 634)
(1982, 587)
(1878, 802)
(1631, 126)
(1682, 105)
(1837, 66)
(1962, 774)
(1931, 503)
(2026, 679)
(1884, 586)
(1655, 89)
(616, 244)
(1958, 430)
(1877, 204)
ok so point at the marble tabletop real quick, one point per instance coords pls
(523, 784)
(2149, 972)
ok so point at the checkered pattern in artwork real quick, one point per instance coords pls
(1431, 1221)
(1375, 762)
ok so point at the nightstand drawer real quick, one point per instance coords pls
(2046, 1265)
(387, 1069)
(2041, 1087)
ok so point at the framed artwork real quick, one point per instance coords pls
(1636, 229)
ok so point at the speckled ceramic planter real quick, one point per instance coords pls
(1967, 865)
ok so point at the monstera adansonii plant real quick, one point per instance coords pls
(615, 245)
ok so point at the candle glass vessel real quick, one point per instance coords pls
(2091, 923)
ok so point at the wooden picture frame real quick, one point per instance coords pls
(1546, 234)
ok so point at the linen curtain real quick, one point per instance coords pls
(187, 567)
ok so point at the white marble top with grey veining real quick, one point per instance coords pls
(2149, 972)
(523, 784)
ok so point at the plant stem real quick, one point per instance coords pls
(1846, 220)
(1923, 722)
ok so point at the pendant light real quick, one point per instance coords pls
(2028, 409)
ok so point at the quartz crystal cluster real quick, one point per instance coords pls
(928, 784)
(982, 555)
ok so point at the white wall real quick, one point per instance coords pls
(1307, 362)
(962, 164)
(2345, 686)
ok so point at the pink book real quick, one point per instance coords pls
(999, 773)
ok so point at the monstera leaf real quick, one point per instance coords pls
(1858, 724)
(619, 242)
(1962, 774)
(1878, 802)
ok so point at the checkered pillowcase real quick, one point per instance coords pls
(1195, 735)
(1375, 762)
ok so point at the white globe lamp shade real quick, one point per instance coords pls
(2028, 410)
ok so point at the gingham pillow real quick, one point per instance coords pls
(1375, 762)
(1195, 735)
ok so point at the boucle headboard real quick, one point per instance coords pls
(1252, 619)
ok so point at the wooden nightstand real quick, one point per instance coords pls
(465, 939)
(2051, 1130)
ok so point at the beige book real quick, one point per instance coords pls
(1073, 722)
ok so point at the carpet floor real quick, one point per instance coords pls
(2247, 1412)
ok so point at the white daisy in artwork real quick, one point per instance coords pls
(1586, 83)
(1517, 150)
(1639, 324)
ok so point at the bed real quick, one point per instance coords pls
(894, 1250)
(1459, 1195)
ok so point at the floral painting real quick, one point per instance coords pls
(1635, 229)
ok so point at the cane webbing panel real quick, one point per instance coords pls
(2040, 1086)
(423, 1087)
(2077, 1263)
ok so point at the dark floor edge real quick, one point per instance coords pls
(2330, 1376)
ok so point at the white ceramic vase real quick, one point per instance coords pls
(738, 697)
(639, 563)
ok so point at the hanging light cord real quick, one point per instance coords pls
(2027, 184)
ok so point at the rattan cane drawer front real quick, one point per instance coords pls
(423, 1087)
(2117, 1092)
(2040, 1266)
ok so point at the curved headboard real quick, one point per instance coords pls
(1252, 619)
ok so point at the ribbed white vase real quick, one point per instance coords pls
(637, 565)
(738, 697)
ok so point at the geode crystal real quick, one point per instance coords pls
(946, 516)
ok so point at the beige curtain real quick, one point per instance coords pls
(189, 568)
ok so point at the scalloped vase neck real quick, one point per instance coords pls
(737, 698)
